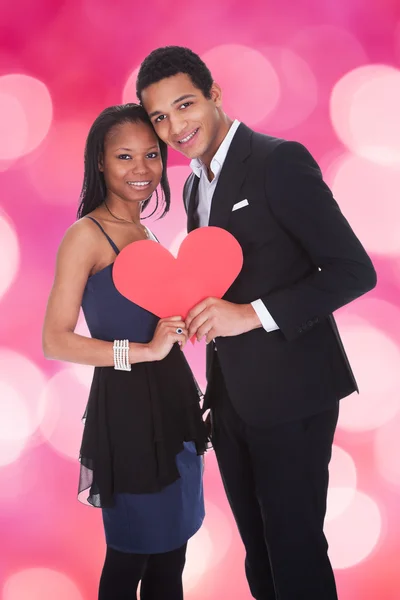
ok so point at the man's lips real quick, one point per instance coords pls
(186, 139)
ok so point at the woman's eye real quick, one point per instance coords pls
(159, 119)
(152, 155)
(124, 156)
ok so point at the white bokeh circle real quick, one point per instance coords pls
(21, 404)
(12, 139)
(299, 89)
(364, 110)
(14, 416)
(387, 451)
(176, 242)
(354, 534)
(375, 359)
(367, 194)
(342, 482)
(30, 126)
(208, 547)
(315, 45)
(9, 247)
(10, 450)
(57, 174)
(198, 559)
(40, 583)
(64, 400)
(169, 228)
(238, 69)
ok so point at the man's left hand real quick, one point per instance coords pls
(218, 318)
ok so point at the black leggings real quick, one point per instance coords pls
(160, 575)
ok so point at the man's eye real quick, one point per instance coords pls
(159, 119)
(124, 156)
(185, 104)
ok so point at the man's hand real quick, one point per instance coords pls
(218, 318)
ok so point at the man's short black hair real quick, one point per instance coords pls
(172, 60)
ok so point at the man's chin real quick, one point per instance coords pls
(190, 153)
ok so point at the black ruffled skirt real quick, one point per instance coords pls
(135, 424)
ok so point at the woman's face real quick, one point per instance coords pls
(131, 163)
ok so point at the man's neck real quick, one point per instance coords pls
(222, 133)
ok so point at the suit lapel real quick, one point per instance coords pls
(231, 178)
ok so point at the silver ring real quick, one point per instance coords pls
(179, 331)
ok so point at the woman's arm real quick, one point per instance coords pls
(75, 260)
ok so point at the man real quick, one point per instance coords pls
(276, 367)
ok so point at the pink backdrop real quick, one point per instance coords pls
(324, 73)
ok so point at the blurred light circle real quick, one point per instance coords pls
(383, 313)
(315, 45)
(367, 194)
(364, 111)
(6, 164)
(10, 451)
(238, 69)
(64, 401)
(84, 373)
(129, 91)
(57, 173)
(9, 247)
(354, 534)
(13, 127)
(25, 383)
(217, 522)
(177, 241)
(14, 417)
(375, 360)
(387, 450)
(32, 125)
(198, 559)
(40, 584)
(299, 89)
(19, 484)
(169, 229)
(342, 482)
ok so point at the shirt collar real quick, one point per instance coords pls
(217, 162)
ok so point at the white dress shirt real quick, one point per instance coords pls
(206, 191)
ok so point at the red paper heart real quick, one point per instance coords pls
(208, 262)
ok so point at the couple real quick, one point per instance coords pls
(276, 367)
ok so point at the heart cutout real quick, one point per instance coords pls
(208, 262)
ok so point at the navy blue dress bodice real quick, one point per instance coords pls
(110, 316)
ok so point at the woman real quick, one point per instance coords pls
(143, 436)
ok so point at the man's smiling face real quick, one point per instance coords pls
(184, 118)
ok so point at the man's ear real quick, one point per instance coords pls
(216, 94)
(100, 163)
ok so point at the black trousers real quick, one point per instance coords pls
(160, 575)
(276, 481)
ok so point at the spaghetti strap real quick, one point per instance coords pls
(112, 244)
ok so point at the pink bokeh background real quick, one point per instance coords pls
(324, 73)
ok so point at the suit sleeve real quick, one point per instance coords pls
(304, 206)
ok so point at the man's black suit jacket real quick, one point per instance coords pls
(303, 260)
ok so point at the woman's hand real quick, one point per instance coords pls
(165, 336)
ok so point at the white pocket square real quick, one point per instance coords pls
(240, 204)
